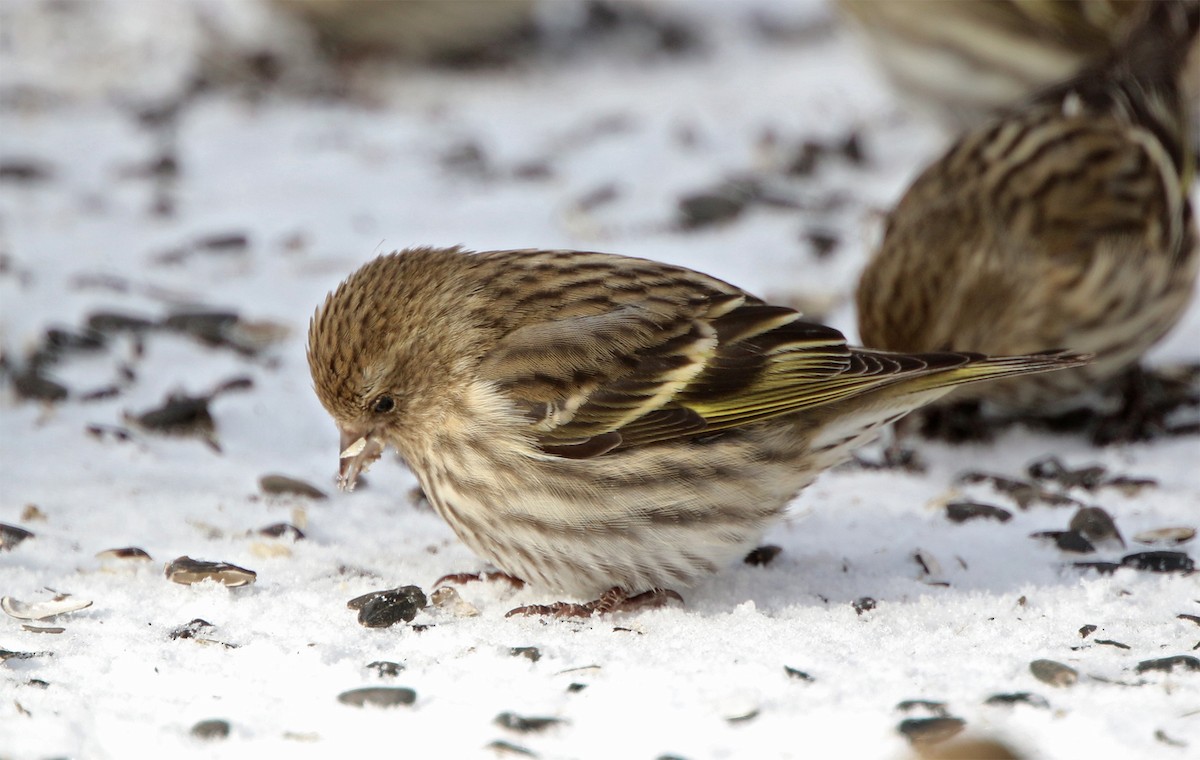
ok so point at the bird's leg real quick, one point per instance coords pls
(1141, 414)
(957, 423)
(612, 601)
(461, 578)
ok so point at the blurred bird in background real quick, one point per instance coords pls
(1064, 223)
(599, 424)
(969, 60)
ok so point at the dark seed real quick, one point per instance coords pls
(762, 555)
(1104, 568)
(11, 535)
(863, 604)
(42, 628)
(501, 746)
(8, 654)
(24, 170)
(1066, 540)
(385, 668)
(744, 718)
(1130, 486)
(382, 609)
(106, 392)
(1053, 673)
(378, 696)
(1111, 643)
(34, 387)
(797, 674)
(1017, 697)
(1161, 736)
(533, 654)
(1096, 524)
(208, 326)
(852, 149)
(59, 340)
(930, 730)
(282, 530)
(280, 485)
(187, 571)
(823, 242)
(1168, 664)
(961, 511)
(191, 630)
(1025, 494)
(230, 242)
(522, 724)
(575, 688)
(1086, 631)
(1159, 562)
(1193, 618)
(239, 383)
(709, 208)
(1051, 468)
(100, 431)
(179, 414)
(806, 160)
(211, 729)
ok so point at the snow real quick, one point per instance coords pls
(320, 185)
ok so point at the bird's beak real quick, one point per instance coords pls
(358, 452)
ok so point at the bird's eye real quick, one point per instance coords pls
(384, 404)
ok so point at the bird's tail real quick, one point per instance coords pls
(948, 370)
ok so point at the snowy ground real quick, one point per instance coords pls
(276, 197)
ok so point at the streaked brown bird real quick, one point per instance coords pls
(1065, 224)
(967, 61)
(596, 423)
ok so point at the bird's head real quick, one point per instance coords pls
(389, 347)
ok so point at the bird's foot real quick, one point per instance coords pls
(1147, 400)
(461, 578)
(611, 601)
(957, 423)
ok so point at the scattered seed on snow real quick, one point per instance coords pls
(1066, 540)
(1177, 535)
(128, 553)
(1054, 673)
(921, 731)
(282, 530)
(1159, 562)
(283, 485)
(187, 571)
(11, 536)
(1169, 664)
(762, 555)
(378, 696)
(798, 675)
(1018, 697)
(961, 511)
(211, 729)
(447, 598)
(524, 725)
(382, 609)
(61, 604)
(533, 654)
(385, 668)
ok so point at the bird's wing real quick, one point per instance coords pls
(626, 377)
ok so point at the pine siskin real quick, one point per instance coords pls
(1065, 224)
(967, 61)
(593, 422)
